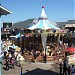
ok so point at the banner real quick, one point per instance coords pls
(18, 35)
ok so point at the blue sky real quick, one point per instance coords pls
(56, 10)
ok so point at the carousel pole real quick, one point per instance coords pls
(44, 39)
(45, 60)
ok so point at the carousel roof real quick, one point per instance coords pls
(43, 22)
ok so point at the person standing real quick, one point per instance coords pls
(61, 68)
(17, 58)
(69, 70)
(64, 68)
(7, 64)
(21, 61)
(72, 69)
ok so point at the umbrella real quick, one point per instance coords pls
(70, 49)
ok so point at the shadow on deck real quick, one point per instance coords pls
(39, 71)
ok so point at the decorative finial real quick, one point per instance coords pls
(43, 15)
(42, 6)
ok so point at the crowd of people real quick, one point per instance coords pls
(11, 60)
(65, 68)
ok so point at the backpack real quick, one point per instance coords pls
(12, 61)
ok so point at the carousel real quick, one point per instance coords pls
(43, 36)
(44, 32)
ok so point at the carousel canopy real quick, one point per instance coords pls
(43, 22)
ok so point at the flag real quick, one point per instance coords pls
(18, 36)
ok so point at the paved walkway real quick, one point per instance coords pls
(34, 69)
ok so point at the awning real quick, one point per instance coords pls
(4, 11)
(70, 49)
(70, 25)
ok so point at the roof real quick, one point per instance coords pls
(70, 22)
(23, 24)
(4, 11)
(64, 23)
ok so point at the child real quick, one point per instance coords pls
(69, 70)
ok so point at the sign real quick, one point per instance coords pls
(7, 25)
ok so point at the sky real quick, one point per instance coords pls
(56, 10)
